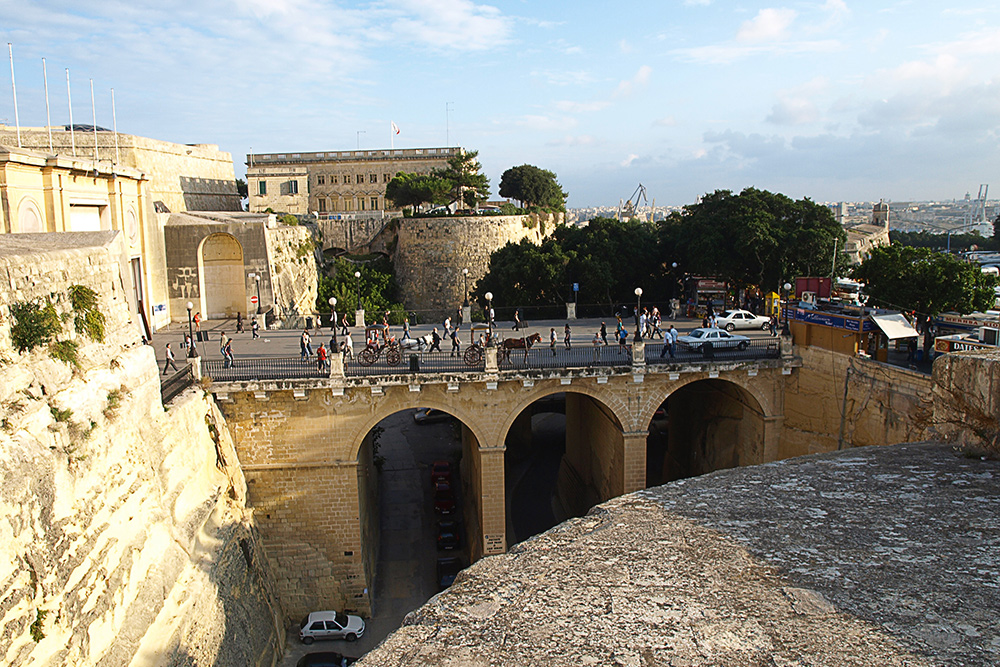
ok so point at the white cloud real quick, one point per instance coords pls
(627, 162)
(667, 121)
(460, 25)
(641, 78)
(793, 111)
(581, 107)
(563, 77)
(768, 26)
(726, 53)
(625, 47)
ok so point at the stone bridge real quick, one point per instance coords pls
(305, 446)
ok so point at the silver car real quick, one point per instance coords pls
(705, 340)
(731, 320)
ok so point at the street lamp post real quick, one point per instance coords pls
(192, 348)
(489, 318)
(333, 321)
(465, 274)
(256, 278)
(638, 300)
(358, 312)
(784, 327)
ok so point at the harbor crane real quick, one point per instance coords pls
(628, 209)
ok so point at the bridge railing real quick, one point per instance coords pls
(174, 384)
(414, 362)
(756, 348)
(261, 368)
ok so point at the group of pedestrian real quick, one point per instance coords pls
(225, 342)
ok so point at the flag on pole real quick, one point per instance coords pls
(395, 128)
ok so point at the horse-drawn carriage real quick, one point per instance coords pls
(377, 341)
(473, 355)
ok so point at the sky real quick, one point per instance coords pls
(835, 100)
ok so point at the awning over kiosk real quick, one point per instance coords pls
(894, 326)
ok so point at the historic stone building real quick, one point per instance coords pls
(334, 182)
(182, 177)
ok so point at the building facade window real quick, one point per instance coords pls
(373, 178)
(374, 203)
(362, 203)
(360, 179)
(261, 187)
(321, 180)
(385, 178)
(322, 205)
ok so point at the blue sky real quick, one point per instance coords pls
(832, 100)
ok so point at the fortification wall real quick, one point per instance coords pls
(967, 400)
(431, 253)
(185, 177)
(352, 235)
(836, 399)
(295, 278)
(125, 535)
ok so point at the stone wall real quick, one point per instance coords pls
(352, 235)
(125, 533)
(967, 400)
(431, 253)
(295, 277)
(884, 404)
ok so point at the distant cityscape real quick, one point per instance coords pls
(936, 217)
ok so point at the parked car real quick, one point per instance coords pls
(731, 320)
(429, 416)
(325, 659)
(440, 472)
(447, 569)
(705, 340)
(330, 625)
(444, 499)
(448, 537)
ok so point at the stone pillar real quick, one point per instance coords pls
(633, 461)
(570, 311)
(493, 518)
(336, 365)
(638, 353)
(786, 347)
(772, 439)
(195, 367)
(359, 317)
(491, 359)
(467, 315)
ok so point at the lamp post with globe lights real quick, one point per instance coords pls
(192, 348)
(359, 316)
(489, 316)
(333, 322)
(465, 274)
(256, 278)
(638, 301)
(784, 328)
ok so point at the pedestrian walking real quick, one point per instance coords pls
(669, 341)
(239, 322)
(348, 347)
(567, 334)
(493, 317)
(622, 340)
(517, 320)
(321, 358)
(773, 325)
(305, 345)
(255, 327)
(197, 322)
(333, 320)
(456, 346)
(187, 342)
(406, 328)
(552, 340)
(343, 325)
(169, 362)
(604, 333)
(227, 354)
(447, 327)
(435, 341)
(598, 343)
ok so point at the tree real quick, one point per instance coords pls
(408, 189)
(525, 274)
(928, 282)
(532, 187)
(464, 179)
(378, 288)
(241, 188)
(753, 238)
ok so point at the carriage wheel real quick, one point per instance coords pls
(393, 355)
(473, 355)
(367, 357)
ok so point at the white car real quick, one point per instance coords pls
(330, 625)
(703, 340)
(731, 320)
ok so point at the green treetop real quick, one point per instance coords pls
(532, 187)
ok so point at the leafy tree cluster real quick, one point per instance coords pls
(959, 242)
(461, 181)
(919, 279)
(533, 187)
(754, 238)
(378, 288)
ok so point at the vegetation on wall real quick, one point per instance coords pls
(378, 289)
(87, 318)
(33, 324)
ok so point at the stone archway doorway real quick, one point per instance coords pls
(221, 277)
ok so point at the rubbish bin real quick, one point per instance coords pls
(918, 355)
(414, 363)
(309, 323)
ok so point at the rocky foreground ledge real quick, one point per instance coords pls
(872, 556)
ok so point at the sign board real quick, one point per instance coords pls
(576, 287)
(253, 299)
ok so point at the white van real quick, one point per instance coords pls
(330, 625)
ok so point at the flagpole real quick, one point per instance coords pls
(13, 87)
(114, 120)
(93, 108)
(69, 99)
(48, 117)
(392, 138)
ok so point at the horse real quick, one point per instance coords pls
(419, 343)
(525, 344)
